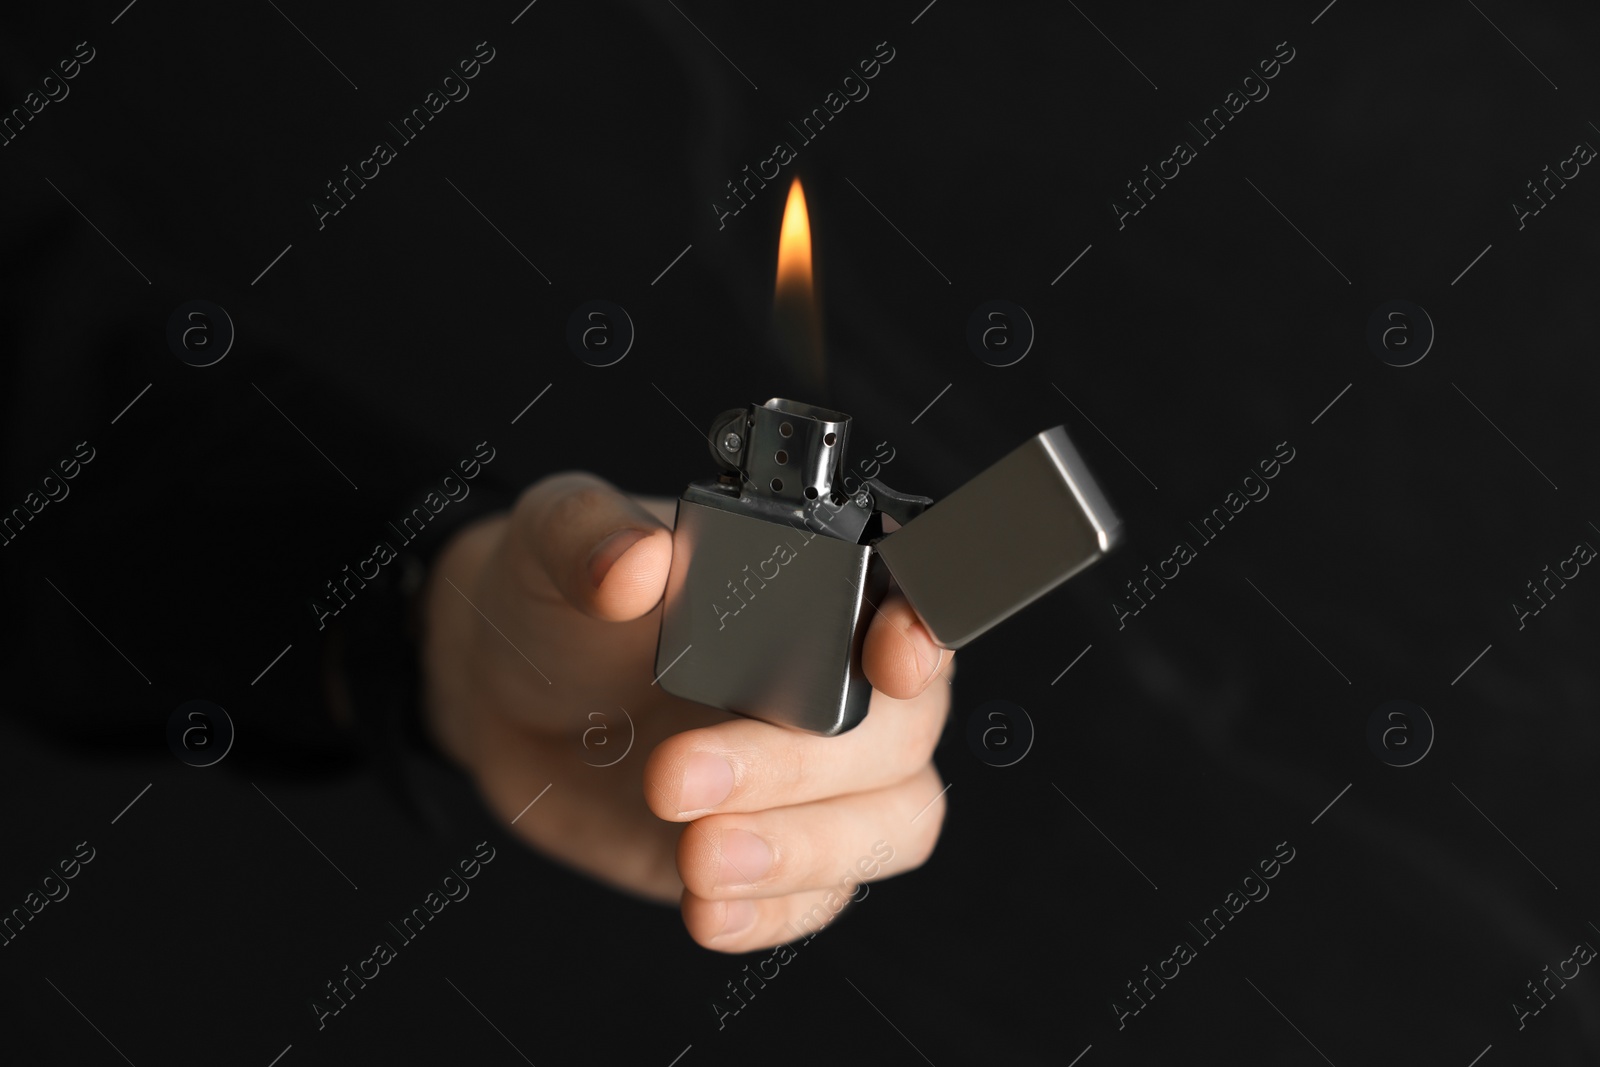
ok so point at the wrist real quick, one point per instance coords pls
(449, 646)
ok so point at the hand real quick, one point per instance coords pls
(541, 625)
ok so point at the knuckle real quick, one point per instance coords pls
(695, 869)
(579, 496)
(532, 498)
(766, 770)
(658, 783)
(786, 769)
(552, 496)
(542, 510)
(700, 857)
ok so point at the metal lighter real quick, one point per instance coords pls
(778, 564)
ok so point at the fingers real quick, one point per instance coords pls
(825, 844)
(748, 925)
(899, 656)
(575, 536)
(743, 765)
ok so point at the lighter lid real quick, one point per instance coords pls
(1002, 540)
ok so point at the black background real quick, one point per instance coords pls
(1196, 338)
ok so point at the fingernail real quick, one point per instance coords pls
(928, 653)
(745, 858)
(737, 917)
(707, 781)
(610, 550)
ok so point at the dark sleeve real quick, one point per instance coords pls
(171, 532)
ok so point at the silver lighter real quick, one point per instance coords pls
(779, 563)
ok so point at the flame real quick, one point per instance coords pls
(794, 248)
(796, 309)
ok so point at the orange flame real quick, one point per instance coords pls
(794, 248)
(796, 311)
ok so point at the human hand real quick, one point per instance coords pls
(537, 621)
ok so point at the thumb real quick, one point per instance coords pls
(595, 547)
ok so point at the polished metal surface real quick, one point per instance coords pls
(771, 590)
(796, 451)
(767, 618)
(784, 462)
(1002, 540)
